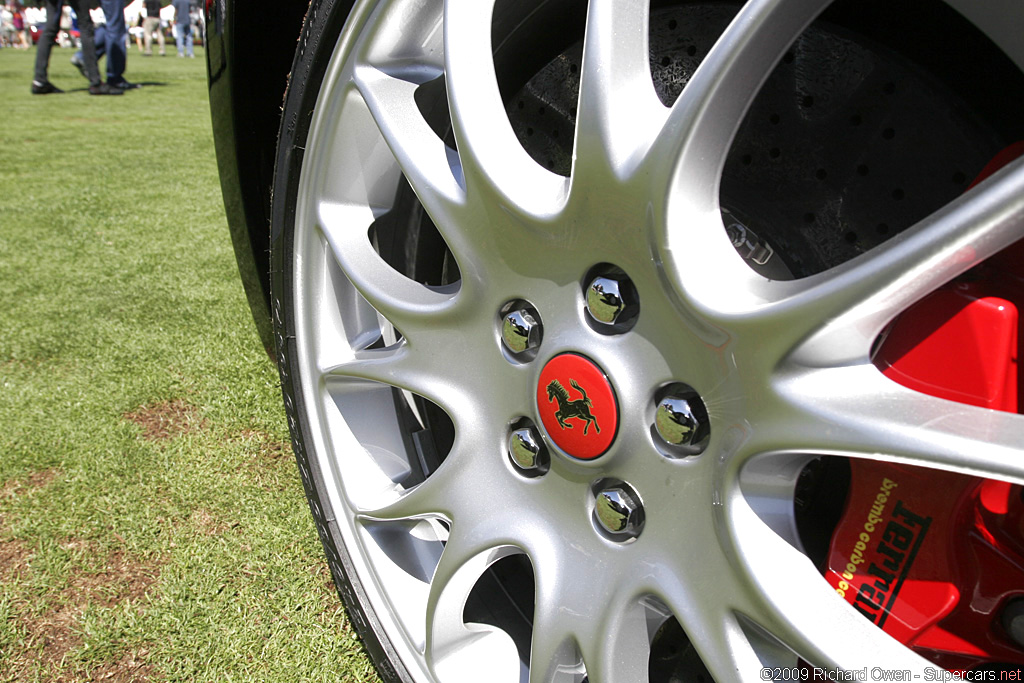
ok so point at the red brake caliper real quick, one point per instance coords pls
(936, 559)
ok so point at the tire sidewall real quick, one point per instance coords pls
(320, 32)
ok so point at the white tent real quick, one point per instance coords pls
(132, 12)
(35, 15)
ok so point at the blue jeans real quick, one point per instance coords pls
(183, 36)
(110, 40)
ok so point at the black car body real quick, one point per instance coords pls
(248, 69)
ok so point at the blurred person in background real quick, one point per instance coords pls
(151, 26)
(20, 27)
(136, 32)
(6, 26)
(111, 41)
(67, 25)
(40, 83)
(115, 44)
(183, 26)
(34, 16)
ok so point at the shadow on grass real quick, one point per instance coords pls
(141, 84)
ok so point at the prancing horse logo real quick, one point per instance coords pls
(580, 408)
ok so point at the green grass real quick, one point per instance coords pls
(185, 558)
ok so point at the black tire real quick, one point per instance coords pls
(320, 32)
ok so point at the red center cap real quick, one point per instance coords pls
(577, 405)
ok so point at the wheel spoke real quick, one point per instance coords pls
(750, 600)
(797, 606)
(431, 167)
(494, 162)
(718, 639)
(834, 318)
(691, 149)
(397, 366)
(427, 499)
(404, 39)
(618, 106)
(393, 295)
(393, 65)
(701, 592)
(553, 652)
(621, 648)
(597, 626)
(876, 418)
(860, 298)
(465, 558)
(701, 125)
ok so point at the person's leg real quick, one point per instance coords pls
(188, 42)
(147, 34)
(53, 10)
(114, 43)
(87, 33)
(101, 41)
(160, 38)
(179, 38)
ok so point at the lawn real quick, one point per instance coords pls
(152, 523)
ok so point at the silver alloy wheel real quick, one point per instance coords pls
(719, 550)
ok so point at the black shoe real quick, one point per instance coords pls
(104, 89)
(77, 62)
(125, 85)
(44, 88)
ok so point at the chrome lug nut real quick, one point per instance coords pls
(607, 299)
(679, 422)
(526, 450)
(520, 331)
(619, 512)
